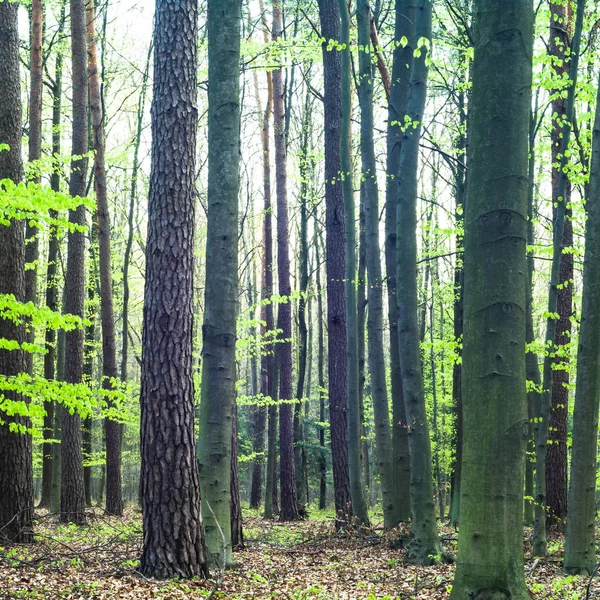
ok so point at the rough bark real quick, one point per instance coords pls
(580, 542)
(172, 525)
(16, 474)
(72, 499)
(375, 281)
(424, 546)
(335, 261)
(287, 472)
(543, 412)
(401, 69)
(490, 558)
(556, 457)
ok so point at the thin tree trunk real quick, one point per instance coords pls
(403, 59)
(335, 260)
(72, 493)
(237, 532)
(172, 522)
(580, 543)
(289, 502)
(424, 547)
(16, 472)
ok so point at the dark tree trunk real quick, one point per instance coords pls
(335, 258)
(72, 503)
(237, 532)
(556, 457)
(403, 58)
(173, 533)
(16, 476)
(114, 499)
(289, 502)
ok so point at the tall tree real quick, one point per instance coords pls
(72, 501)
(490, 559)
(287, 471)
(580, 542)
(375, 282)
(114, 500)
(173, 532)
(329, 12)
(543, 412)
(424, 540)
(556, 457)
(221, 289)
(16, 476)
(359, 505)
(401, 69)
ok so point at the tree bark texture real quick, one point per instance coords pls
(172, 524)
(490, 559)
(335, 261)
(16, 472)
(72, 492)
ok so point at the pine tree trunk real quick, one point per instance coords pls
(580, 543)
(289, 502)
(490, 559)
(72, 501)
(424, 546)
(173, 532)
(403, 58)
(335, 260)
(16, 473)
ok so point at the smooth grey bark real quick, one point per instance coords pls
(359, 505)
(401, 69)
(424, 546)
(490, 555)
(383, 437)
(580, 542)
(221, 288)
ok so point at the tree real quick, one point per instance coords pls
(16, 477)
(114, 500)
(424, 538)
(220, 306)
(580, 542)
(72, 501)
(173, 532)
(335, 259)
(401, 69)
(373, 261)
(287, 471)
(490, 559)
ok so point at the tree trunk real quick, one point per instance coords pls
(556, 457)
(375, 281)
(335, 259)
(289, 502)
(543, 413)
(173, 532)
(580, 543)
(424, 547)
(359, 505)
(16, 472)
(114, 500)
(403, 58)
(490, 559)
(72, 499)
(52, 451)
(237, 532)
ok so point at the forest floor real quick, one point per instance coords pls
(299, 561)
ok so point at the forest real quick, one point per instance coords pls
(299, 299)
